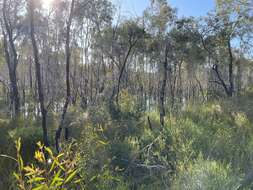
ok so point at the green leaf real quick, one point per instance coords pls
(102, 142)
(71, 176)
(60, 155)
(29, 169)
(77, 181)
(56, 178)
(93, 178)
(60, 165)
(21, 163)
(16, 175)
(52, 167)
(58, 184)
(41, 187)
(36, 179)
(49, 151)
(18, 144)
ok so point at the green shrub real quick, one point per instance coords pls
(216, 133)
(206, 175)
(99, 115)
(30, 136)
(49, 171)
(7, 147)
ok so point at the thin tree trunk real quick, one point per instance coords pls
(12, 62)
(38, 75)
(239, 78)
(163, 88)
(173, 81)
(68, 91)
(231, 76)
(229, 89)
(122, 69)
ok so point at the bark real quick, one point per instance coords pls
(200, 88)
(231, 66)
(122, 69)
(11, 60)
(173, 82)
(68, 90)
(30, 76)
(221, 81)
(228, 88)
(38, 75)
(239, 78)
(163, 88)
(180, 81)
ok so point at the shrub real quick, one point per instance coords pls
(217, 133)
(206, 175)
(49, 172)
(30, 136)
(98, 115)
(6, 148)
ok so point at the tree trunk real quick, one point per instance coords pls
(231, 76)
(38, 75)
(122, 69)
(68, 91)
(12, 62)
(229, 89)
(163, 88)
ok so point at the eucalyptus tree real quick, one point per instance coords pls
(68, 90)
(119, 43)
(11, 23)
(97, 16)
(32, 11)
(240, 15)
(77, 12)
(158, 18)
(188, 53)
(224, 30)
(130, 34)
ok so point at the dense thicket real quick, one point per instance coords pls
(153, 102)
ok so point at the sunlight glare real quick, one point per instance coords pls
(47, 3)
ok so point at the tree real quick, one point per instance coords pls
(219, 33)
(119, 44)
(10, 34)
(68, 90)
(187, 52)
(160, 15)
(43, 110)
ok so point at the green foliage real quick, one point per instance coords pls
(30, 136)
(126, 102)
(131, 150)
(6, 148)
(99, 115)
(218, 133)
(143, 154)
(206, 175)
(95, 161)
(49, 172)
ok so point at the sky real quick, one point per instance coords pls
(185, 7)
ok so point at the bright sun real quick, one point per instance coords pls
(47, 3)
